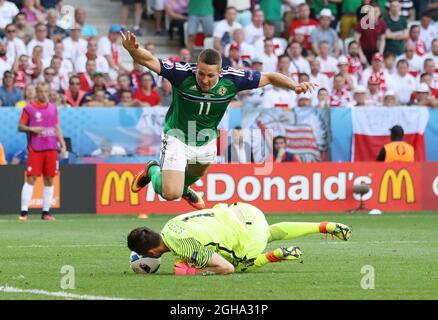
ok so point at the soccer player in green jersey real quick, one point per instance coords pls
(200, 96)
(226, 239)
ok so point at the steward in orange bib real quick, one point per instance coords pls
(397, 150)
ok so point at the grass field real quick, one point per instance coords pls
(401, 247)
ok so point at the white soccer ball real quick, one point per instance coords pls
(141, 264)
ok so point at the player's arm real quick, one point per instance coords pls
(23, 125)
(140, 55)
(61, 140)
(216, 265)
(279, 80)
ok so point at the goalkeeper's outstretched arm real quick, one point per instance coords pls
(140, 55)
(216, 265)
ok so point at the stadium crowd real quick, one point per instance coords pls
(360, 53)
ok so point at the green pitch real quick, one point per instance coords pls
(402, 248)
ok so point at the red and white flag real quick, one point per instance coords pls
(371, 130)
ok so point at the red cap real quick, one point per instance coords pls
(235, 46)
(378, 56)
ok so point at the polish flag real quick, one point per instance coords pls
(371, 130)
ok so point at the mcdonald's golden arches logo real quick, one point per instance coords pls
(398, 180)
(121, 183)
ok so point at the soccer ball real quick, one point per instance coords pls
(141, 264)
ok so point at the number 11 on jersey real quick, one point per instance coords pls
(202, 107)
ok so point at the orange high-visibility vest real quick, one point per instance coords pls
(399, 151)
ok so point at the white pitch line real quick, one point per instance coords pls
(65, 246)
(59, 294)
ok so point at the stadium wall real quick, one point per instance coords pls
(287, 187)
(75, 191)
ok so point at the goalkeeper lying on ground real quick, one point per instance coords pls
(226, 239)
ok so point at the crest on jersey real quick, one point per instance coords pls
(38, 116)
(194, 88)
(168, 64)
(222, 91)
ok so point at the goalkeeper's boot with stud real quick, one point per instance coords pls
(290, 253)
(338, 230)
(194, 199)
(141, 179)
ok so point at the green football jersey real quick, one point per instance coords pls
(194, 116)
(195, 236)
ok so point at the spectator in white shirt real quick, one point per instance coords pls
(269, 32)
(429, 70)
(245, 49)
(279, 98)
(107, 47)
(415, 62)
(374, 96)
(359, 96)
(323, 98)
(254, 31)
(376, 72)
(283, 65)
(317, 77)
(402, 83)
(414, 37)
(66, 64)
(340, 96)
(389, 63)
(224, 29)
(434, 53)
(8, 10)
(268, 57)
(325, 34)
(390, 99)
(304, 100)
(101, 62)
(41, 40)
(5, 63)
(15, 46)
(329, 65)
(428, 31)
(350, 79)
(298, 63)
(74, 45)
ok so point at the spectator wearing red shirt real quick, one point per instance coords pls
(146, 93)
(369, 38)
(304, 23)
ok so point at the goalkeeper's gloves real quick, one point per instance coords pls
(181, 268)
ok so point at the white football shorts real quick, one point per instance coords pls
(175, 154)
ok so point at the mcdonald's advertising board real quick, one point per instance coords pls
(285, 187)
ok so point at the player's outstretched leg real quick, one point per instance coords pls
(142, 178)
(292, 230)
(280, 254)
